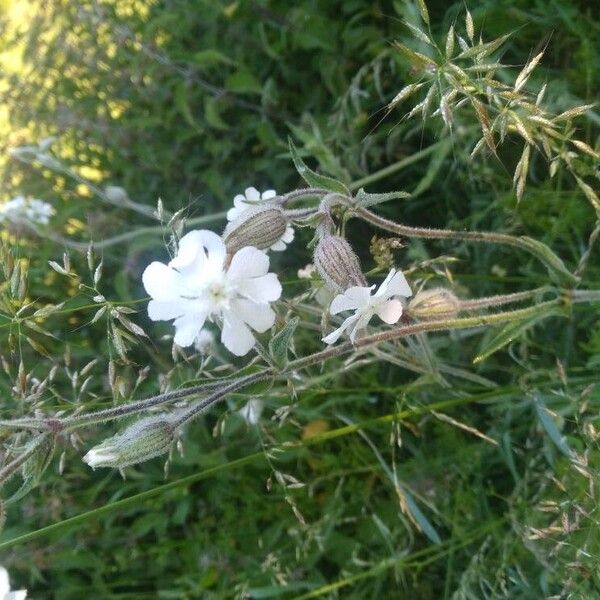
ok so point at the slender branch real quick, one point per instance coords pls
(521, 242)
(203, 405)
(122, 237)
(499, 300)
(117, 412)
(398, 166)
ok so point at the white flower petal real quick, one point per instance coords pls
(233, 213)
(397, 285)
(17, 595)
(200, 251)
(164, 310)
(252, 194)
(279, 246)
(335, 335)
(390, 311)
(361, 323)
(268, 194)
(236, 336)
(251, 411)
(259, 316)
(248, 262)
(4, 582)
(288, 235)
(361, 296)
(261, 289)
(187, 328)
(161, 282)
(341, 303)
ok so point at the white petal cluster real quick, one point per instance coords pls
(21, 208)
(384, 303)
(251, 198)
(197, 286)
(5, 593)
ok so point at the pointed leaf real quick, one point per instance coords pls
(280, 342)
(315, 179)
(513, 330)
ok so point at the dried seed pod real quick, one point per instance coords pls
(337, 263)
(438, 303)
(260, 227)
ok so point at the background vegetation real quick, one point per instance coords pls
(448, 479)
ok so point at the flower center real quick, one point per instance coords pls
(218, 294)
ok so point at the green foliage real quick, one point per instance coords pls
(409, 472)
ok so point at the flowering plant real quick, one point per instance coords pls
(144, 338)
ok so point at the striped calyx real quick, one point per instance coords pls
(337, 263)
(438, 303)
(260, 227)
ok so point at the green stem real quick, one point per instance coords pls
(122, 237)
(537, 249)
(499, 300)
(398, 166)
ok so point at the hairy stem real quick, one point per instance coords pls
(123, 410)
(203, 405)
(521, 242)
(499, 300)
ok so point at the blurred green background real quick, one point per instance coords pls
(193, 101)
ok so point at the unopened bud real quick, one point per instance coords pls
(337, 263)
(260, 227)
(438, 303)
(115, 194)
(139, 442)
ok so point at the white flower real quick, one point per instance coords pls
(28, 209)
(251, 411)
(5, 593)
(252, 197)
(98, 457)
(359, 299)
(196, 286)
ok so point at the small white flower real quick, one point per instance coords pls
(251, 411)
(204, 341)
(196, 286)
(252, 197)
(5, 593)
(98, 457)
(359, 299)
(26, 209)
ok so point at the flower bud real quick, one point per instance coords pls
(115, 194)
(260, 227)
(438, 303)
(139, 442)
(337, 264)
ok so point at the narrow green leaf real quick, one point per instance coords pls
(280, 342)
(364, 200)
(513, 330)
(315, 179)
(426, 527)
(547, 422)
(556, 267)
